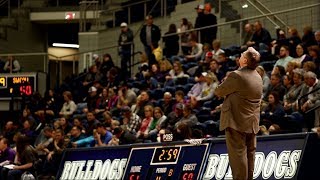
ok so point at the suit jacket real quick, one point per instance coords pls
(241, 106)
(315, 96)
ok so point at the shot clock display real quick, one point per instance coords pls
(17, 85)
(166, 155)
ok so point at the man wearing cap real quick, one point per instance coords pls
(92, 99)
(96, 60)
(150, 34)
(240, 114)
(125, 43)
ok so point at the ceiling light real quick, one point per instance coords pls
(245, 6)
(65, 45)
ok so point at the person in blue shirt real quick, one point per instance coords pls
(101, 135)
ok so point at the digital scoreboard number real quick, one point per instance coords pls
(166, 162)
(165, 155)
(17, 85)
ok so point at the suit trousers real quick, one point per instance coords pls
(241, 150)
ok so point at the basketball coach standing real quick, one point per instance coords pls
(240, 113)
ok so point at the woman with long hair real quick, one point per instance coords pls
(26, 156)
(265, 78)
(301, 54)
(174, 74)
(291, 66)
(290, 98)
(314, 52)
(107, 64)
(294, 40)
(272, 115)
(69, 106)
(182, 132)
(171, 42)
(155, 126)
(186, 36)
(144, 128)
(211, 82)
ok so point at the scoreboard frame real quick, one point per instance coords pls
(172, 167)
(17, 85)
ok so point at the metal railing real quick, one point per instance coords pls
(44, 55)
(128, 7)
(274, 23)
(109, 48)
(276, 17)
(246, 19)
(305, 95)
(3, 3)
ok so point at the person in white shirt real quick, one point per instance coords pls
(216, 46)
(69, 107)
(311, 100)
(196, 51)
(208, 88)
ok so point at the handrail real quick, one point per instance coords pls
(312, 109)
(28, 54)
(177, 33)
(274, 23)
(3, 2)
(154, 6)
(244, 19)
(128, 5)
(305, 95)
(279, 19)
(88, 51)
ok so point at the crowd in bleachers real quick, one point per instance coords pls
(171, 93)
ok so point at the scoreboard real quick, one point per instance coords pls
(22, 84)
(178, 162)
(17, 85)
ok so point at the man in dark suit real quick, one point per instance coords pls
(240, 113)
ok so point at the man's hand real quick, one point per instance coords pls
(74, 144)
(304, 107)
(97, 136)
